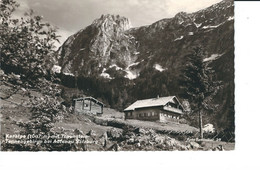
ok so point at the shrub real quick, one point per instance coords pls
(27, 43)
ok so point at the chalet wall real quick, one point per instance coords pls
(143, 114)
(87, 106)
(151, 114)
(166, 117)
(96, 108)
(78, 105)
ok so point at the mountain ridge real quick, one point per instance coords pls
(117, 37)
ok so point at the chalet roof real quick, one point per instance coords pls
(90, 98)
(153, 102)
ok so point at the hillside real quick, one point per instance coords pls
(109, 132)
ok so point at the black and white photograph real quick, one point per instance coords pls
(117, 75)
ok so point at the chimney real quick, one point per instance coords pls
(158, 96)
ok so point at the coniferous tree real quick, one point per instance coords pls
(198, 85)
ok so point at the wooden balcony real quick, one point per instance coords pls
(172, 109)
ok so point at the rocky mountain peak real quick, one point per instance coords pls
(182, 17)
(101, 44)
(112, 22)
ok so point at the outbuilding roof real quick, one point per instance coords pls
(90, 98)
(153, 102)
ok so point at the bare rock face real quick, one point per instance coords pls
(101, 44)
(111, 39)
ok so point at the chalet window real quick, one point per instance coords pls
(131, 113)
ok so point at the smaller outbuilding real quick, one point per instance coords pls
(88, 105)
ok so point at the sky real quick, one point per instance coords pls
(72, 15)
